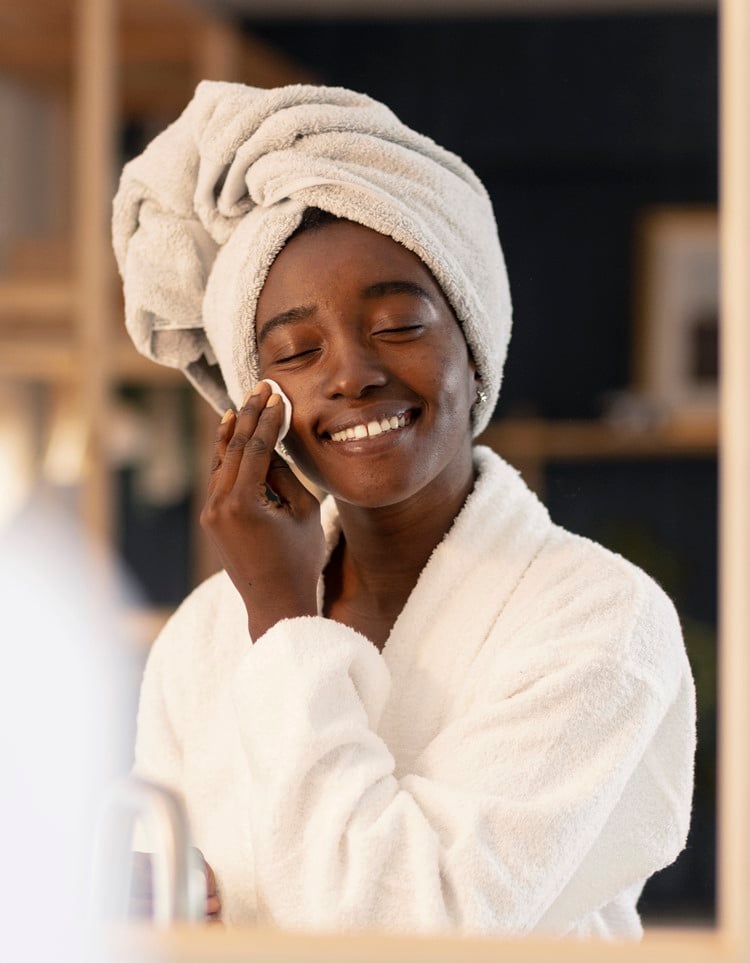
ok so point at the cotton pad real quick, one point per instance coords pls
(287, 408)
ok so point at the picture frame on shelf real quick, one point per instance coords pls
(676, 345)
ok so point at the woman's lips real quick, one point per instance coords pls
(372, 428)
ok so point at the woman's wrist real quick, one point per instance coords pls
(261, 619)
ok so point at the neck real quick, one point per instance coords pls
(385, 549)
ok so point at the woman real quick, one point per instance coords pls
(420, 706)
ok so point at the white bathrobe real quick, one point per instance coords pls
(519, 758)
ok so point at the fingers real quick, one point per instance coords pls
(223, 434)
(213, 900)
(258, 453)
(251, 442)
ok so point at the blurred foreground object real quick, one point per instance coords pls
(179, 889)
(61, 697)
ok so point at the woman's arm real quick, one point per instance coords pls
(526, 812)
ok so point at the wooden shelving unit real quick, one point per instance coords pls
(100, 64)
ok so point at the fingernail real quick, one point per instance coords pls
(229, 413)
(273, 401)
(252, 393)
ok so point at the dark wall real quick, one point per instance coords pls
(574, 125)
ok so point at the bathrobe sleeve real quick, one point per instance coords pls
(554, 785)
(158, 752)
(167, 695)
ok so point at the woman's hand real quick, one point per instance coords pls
(263, 521)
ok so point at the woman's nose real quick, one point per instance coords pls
(353, 369)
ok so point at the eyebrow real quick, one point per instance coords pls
(286, 317)
(383, 288)
(380, 289)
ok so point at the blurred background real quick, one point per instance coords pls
(593, 124)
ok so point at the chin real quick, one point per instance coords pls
(392, 477)
(369, 494)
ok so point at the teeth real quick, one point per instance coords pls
(371, 429)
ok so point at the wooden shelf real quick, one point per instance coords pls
(92, 66)
(163, 48)
(53, 359)
(57, 359)
(539, 440)
(38, 299)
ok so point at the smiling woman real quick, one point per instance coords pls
(378, 342)
(419, 706)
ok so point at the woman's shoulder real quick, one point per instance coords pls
(572, 593)
(609, 607)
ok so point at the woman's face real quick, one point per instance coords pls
(358, 334)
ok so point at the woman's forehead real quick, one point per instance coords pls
(340, 258)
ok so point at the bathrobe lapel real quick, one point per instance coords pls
(436, 637)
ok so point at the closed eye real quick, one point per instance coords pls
(297, 356)
(402, 329)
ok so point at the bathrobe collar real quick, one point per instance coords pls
(478, 564)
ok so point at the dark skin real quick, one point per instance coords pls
(355, 330)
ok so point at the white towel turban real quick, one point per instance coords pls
(200, 216)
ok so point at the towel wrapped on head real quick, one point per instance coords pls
(200, 216)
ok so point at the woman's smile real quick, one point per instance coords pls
(367, 426)
(359, 335)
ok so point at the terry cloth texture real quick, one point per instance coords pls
(518, 759)
(200, 216)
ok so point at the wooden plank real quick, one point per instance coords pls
(54, 360)
(170, 34)
(201, 944)
(37, 299)
(734, 474)
(95, 121)
(535, 439)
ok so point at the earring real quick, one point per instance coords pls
(481, 397)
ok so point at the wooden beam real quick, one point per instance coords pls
(734, 559)
(538, 440)
(36, 299)
(178, 52)
(94, 163)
